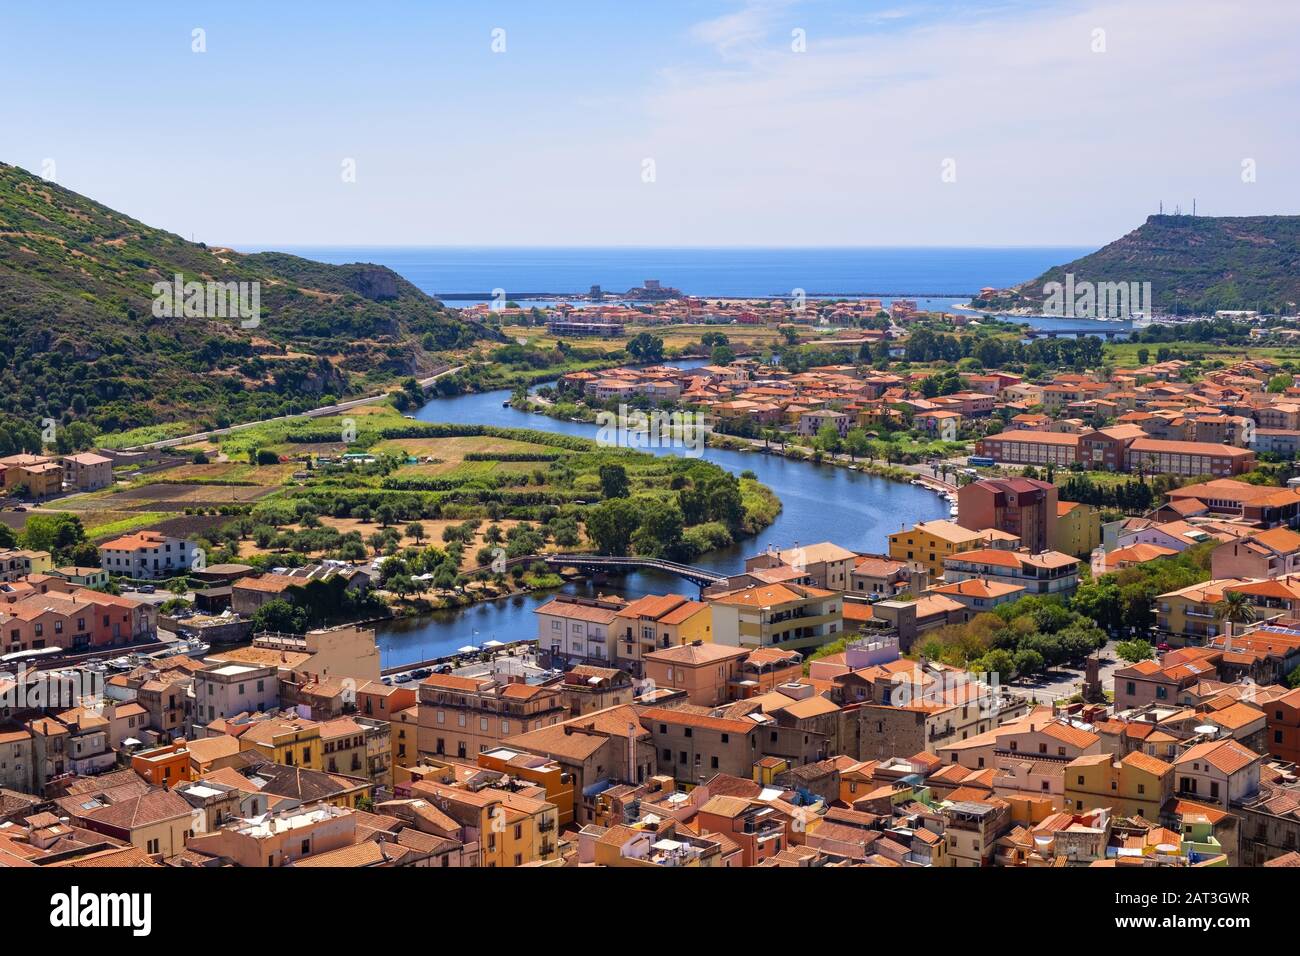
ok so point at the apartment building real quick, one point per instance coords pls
(18, 563)
(147, 554)
(510, 829)
(1047, 573)
(692, 747)
(1264, 554)
(1135, 785)
(224, 690)
(657, 621)
(708, 673)
(462, 716)
(578, 629)
(791, 617)
(87, 471)
(1024, 507)
(930, 542)
(826, 564)
(39, 476)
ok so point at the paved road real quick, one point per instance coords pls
(312, 413)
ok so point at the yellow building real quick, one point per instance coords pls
(1189, 613)
(543, 771)
(290, 743)
(654, 622)
(929, 542)
(41, 476)
(405, 726)
(1137, 785)
(511, 829)
(343, 747)
(1078, 528)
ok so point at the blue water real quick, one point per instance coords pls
(821, 503)
(706, 271)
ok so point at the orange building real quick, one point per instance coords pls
(163, 766)
(1284, 726)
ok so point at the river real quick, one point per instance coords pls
(821, 503)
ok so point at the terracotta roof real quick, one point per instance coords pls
(664, 715)
(1226, 756)
(142, 811)
(696, 655)
(1150, 764)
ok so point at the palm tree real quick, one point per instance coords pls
(1235, 608)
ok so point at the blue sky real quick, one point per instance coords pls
(1046, 139)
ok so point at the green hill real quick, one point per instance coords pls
(83, 343)
(1195, 264)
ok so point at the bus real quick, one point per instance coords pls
(31, 656)
(980, 461)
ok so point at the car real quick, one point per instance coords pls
(402, 678)
(420, 673)
(146, 589)
(1162, 646)
(442, 669)
(388, 681)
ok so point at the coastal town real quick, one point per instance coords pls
(728, 435)
(1064, 672)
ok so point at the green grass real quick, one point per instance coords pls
(146, 434)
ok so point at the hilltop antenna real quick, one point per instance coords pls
(1162, 207)
(1193, 205)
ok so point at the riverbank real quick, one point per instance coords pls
(826, 501)
(900, 472)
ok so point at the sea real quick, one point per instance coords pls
(939, 277)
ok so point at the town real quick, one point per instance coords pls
(1014, 687)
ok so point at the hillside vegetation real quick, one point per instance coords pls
(82, 342)
(1195, 264)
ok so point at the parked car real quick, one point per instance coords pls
(147, 589)
(420, 673)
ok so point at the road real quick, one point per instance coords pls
(312, 413)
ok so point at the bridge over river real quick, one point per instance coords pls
(593, 564)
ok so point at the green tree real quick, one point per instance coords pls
(613, 481)
(645, 347)
(1235, 608)
(828, 438)
(1029, 662)
(611, 524)
(660, 534)
(280, 615)
(1135, 650)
